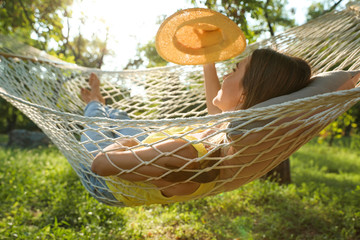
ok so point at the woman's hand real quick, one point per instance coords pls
(356, 79)
(352, 82)
(209, 66)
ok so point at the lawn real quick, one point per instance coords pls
(42, 198)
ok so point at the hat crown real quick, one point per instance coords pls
(197, 36)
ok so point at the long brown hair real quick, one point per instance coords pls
(271, 74)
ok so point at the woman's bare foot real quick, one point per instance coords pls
(94, 83)
(85, 95)
(94, 94)
(88, 96)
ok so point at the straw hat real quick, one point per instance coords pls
(198, 36)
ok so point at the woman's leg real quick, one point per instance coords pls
(96, 138)
(109, 112)
(95, 141)
(97, 187)
(118, 114)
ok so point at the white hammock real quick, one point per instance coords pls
(47, 91)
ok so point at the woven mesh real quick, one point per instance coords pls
(159, 99)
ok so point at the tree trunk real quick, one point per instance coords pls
(281, 173)
(271, 30)
(11, 120)
(347, 130)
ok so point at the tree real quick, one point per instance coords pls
(45, 24)
(41, 22)
(273, 12)
(319, 8)
(146, 53)
(86, 51)
(34, 22)
(12, 118)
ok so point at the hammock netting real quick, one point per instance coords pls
(158, 99)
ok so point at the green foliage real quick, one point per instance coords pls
(150, 53)
(40, 24)
(12, 118)
(319, 8)
(146, 53)
(3, 139)
(38, 186)
(345, 125)
(315, 10)
(273, 17)
(85, 52)
(30, 20)
(66, 58)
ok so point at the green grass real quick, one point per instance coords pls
(42, 198)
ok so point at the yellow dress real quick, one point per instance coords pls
(140, 193)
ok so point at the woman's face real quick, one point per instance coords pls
(231, 93)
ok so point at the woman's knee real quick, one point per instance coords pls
(95, 109)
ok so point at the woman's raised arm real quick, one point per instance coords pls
(212, 86)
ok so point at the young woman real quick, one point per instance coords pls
(264, 75)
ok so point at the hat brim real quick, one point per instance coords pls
(233, 41)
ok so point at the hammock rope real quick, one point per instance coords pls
(161, 99)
